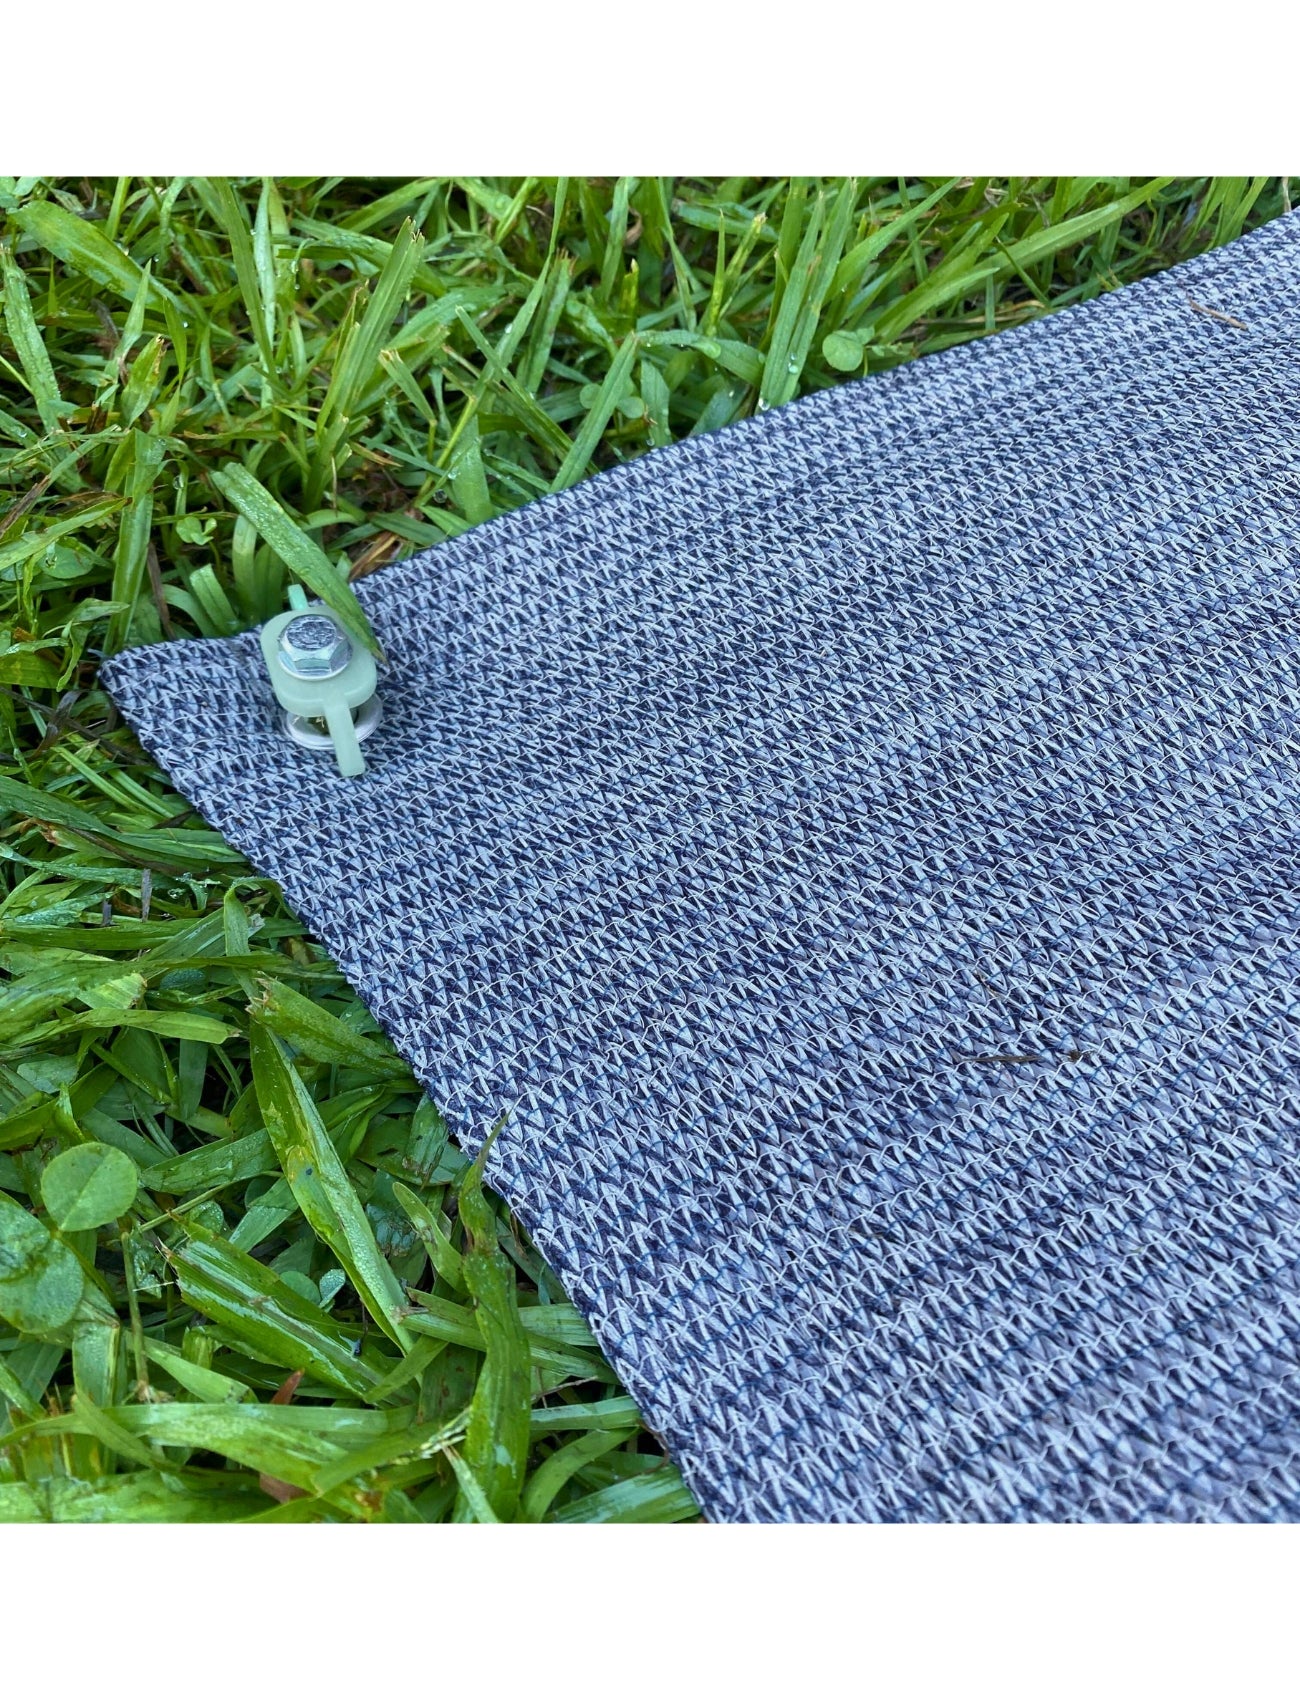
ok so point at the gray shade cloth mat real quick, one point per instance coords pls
(861, 850)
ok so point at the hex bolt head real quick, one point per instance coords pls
(313, 647)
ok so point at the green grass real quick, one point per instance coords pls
(207, 390)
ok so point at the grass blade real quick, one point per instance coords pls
(315, 1033)
(657, 1497)
(320, 1183)
(133, 535)
(235, 224)
(496, 1439)
(602, 409)
(552, 1476)
(305, 559)
(356, 369)
(268, 1316)
(25, 335)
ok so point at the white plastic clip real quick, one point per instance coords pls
(317, 675)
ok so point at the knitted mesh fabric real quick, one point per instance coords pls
(861, 849)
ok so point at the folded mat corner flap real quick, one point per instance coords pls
(861, 850)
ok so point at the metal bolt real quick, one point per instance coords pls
(313, 647)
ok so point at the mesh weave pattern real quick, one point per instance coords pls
(862, 849)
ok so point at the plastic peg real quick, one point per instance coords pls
(325, 686)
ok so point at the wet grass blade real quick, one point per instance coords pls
(602, 410)
(240, 237)
(22, 549)
(602, 1414)
(29, 345)
(315, 1033)
(320, 1183)
(269, 1317)
(305, 559)
(81, 245)
(659, 1497)
(548, 1479)
(357, 367)
(496, 1438)
(134, 533)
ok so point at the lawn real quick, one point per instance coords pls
(208, 391)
